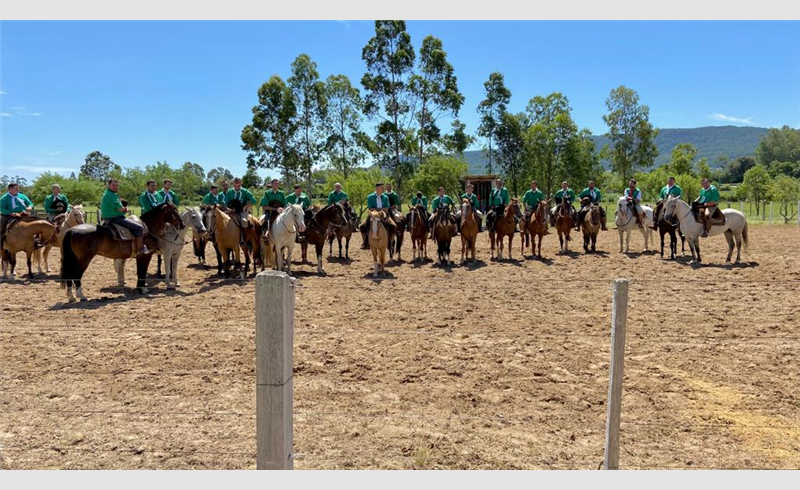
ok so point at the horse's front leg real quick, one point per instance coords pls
(289, 257)
(142, 262)
(729, 238)
(119, 267)
(28, 257)
(620, 241)
(318, 249)
(175, 259)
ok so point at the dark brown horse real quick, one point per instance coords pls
(317, 228)
(536, 226)
(564, 224)
(505, 226)
(419, 233)
(591, 224)
(443, 232)
(674, 229)
(83, 242)
(345, 231)
(396, 240)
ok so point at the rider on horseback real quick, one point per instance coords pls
(299, 197)
(149, 198)
(473, 199)
(56, 203)
(13, 206)
(378, 201)
(337, 195)
(590, 195)
(671, 189)
(442, 200)
(238, 192)
(167, 194)
(634, 197)
(531, 199)
(214, 196)
(419, 199)
(113, 211)
(498, 200)
(272, 203)
(567, 196)
(707, 202)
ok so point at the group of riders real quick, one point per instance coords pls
(14, 205)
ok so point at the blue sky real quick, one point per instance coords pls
(182, 91)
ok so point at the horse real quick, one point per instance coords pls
(378, 241)
(20, 238)
(505, 226)
(626, 222)
(673, 229)
(419, 236)
(536, 226)
(563, 214)
(283, 234)
(77, 216)
(169, 246)
(345, 231)
(199, 240)
(227, 237)
(396, 239)
(254, 247)
(443, 232)
(83, 242)
(317, 228)
(469, 230)
(735, 228)
(590, 226)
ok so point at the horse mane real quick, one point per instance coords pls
(508, 213)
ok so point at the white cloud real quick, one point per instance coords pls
(2, 93)
(40, 169)
(5, 114)
(724, 117)
(52, 153)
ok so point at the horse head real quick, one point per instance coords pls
(670, 205)
(513, 209)
(375, 219)
(298, 216)
(78, 215)
(194, 218)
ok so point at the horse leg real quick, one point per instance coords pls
(158, 268)
(729, 238)
(339, 240)
(347, 248)
(585, 243)
(510, 241)
(318, 249)
(119, 267)
(238, 264)
(30, 270)
(620, 240)
(175, 259)
(660, 232)
(142, 263)
(594, 242)
(289, 249)
(738, 247)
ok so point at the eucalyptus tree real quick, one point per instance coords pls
(491, 110)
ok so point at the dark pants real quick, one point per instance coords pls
(134, 228)
(4, 220)
(492, 215)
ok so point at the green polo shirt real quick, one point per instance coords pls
(148, 201)
(588, 193)
(372, 201)
(708, 195)
(110, 204)
(271, 195)
(674, 191)
(173, 198)
(51, 199)
(242, 195)
(444, 201)
(302, 200)
(335, 197)
(472, 198)
(211, 199)
(568, 195)
(10, 205)
(531, 198)
(420, 200)
(499, 197)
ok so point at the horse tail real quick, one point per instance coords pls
(68, 259)
(744, 236)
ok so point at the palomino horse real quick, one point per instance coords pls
(537, 227)
(170, 246)
(671, 227)
(317, 228)
(590, 226)
(419, 236)
(283, 235)
(469, 230)
(345, 231)
(505, 226)
(227, 238)
(75, 217)
(735, 227)
(378, 241)
(564, 224)
(626, 222)
(83, 242)
(20, 238)
(443, 232)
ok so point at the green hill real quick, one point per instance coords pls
(710, 141)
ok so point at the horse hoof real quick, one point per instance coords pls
(144, 290)
(84, 299)
(170, 288)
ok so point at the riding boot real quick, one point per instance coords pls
(139, 246)
(706, 227)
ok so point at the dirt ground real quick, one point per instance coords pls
(493, 365)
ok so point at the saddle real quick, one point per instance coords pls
(122, 234)
(717, 219)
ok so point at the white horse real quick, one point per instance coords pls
(170, 247)
(77, 216)
(626, 222)
(283, 233)
(735, 228)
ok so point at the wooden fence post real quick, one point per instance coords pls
(741, 206)
(619, 316)
(274, 339)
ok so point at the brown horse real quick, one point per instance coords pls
(505, 226)
(254, 247)
(591, 224)
(317, 229)
(537, 227)
(83, 242)
(378, 241)
(226, 238)
(419, 235)
(443, 232)
(345, 231)
(664, 227)
(20, 238)
(469, 230)
(564, 224)
(396, 240)
(63, 223)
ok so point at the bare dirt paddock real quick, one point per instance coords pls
(497, 365)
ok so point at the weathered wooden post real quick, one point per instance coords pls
(274, 338)
(741, 206)
(619, 316)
